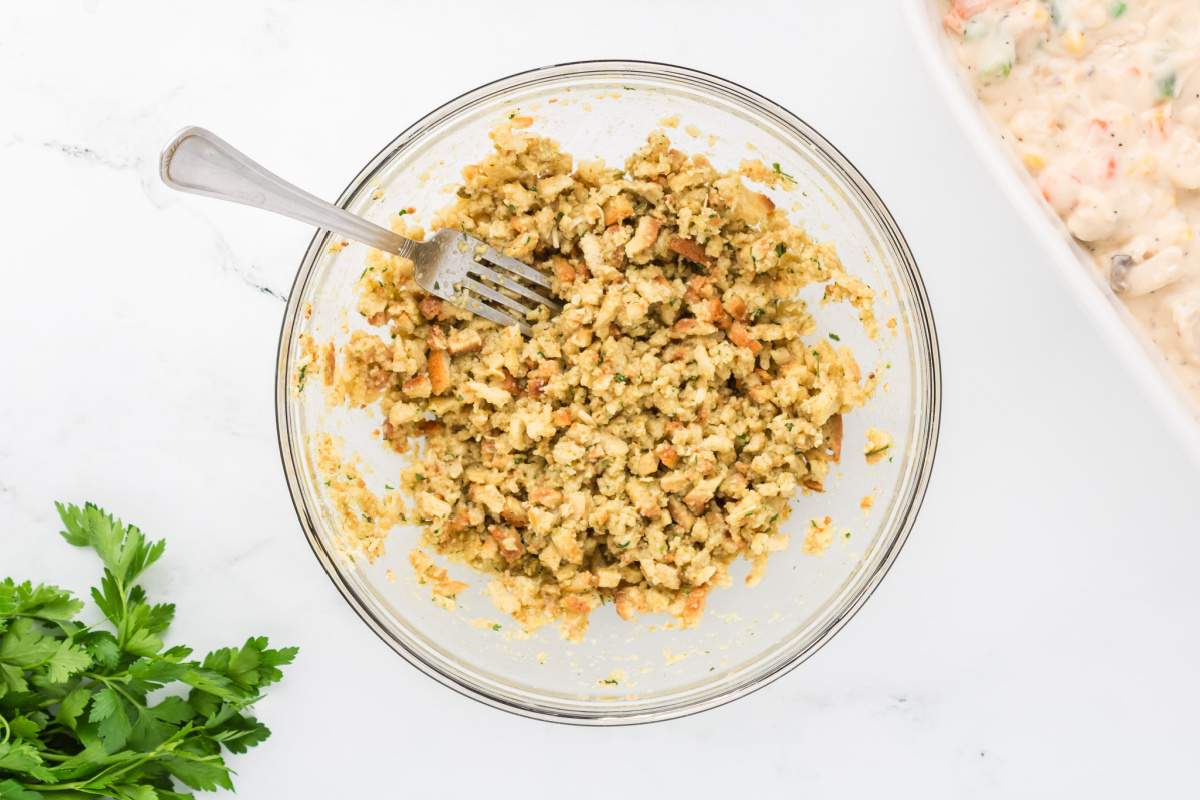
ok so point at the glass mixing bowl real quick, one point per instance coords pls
(626, 672)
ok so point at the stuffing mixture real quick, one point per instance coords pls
(643, 439)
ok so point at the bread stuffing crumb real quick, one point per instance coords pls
(364, 518)
(819, 536)
(670, 658)
(443, 588)
(878, 446)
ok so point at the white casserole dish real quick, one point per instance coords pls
(1118, 327)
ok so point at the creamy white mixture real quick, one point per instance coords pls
(1101, 100)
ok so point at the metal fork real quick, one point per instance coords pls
(451, 265)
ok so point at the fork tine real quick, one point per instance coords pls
(508, 283)
(494, 296)
(499, 317)
(512, 265)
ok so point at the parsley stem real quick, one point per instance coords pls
(120, 769)
(116, 688)
(62, 787)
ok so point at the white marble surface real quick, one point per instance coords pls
(1036, 638)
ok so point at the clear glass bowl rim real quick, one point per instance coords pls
(924, 330)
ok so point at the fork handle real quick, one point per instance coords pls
(200, 162)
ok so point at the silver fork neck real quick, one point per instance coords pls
(200, 162)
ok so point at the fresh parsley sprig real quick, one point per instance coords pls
(107, 711)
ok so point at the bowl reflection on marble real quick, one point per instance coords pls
(749, 636)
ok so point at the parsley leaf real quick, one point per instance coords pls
(67, 660)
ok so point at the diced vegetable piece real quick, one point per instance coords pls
(1166, 86)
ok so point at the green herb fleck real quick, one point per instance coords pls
(835, 337)
(1117, 9)
(780, 249)
(741, 440)
(495, 626)
(776, 169)
(418, 477)
(621, 378)
(1000, 69)
(389, 487)
(610, 681)
(878, 451)
(301, 378)
(402, 212)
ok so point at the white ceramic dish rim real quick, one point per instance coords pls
(1118, 327)
(914, 483)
